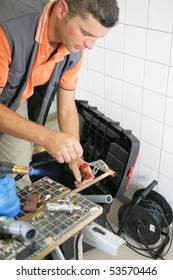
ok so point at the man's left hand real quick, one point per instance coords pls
(81, 171)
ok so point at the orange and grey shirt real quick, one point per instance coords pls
(44, 62)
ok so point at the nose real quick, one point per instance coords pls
(89, 43)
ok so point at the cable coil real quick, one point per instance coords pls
(147, 221)
(155, 210)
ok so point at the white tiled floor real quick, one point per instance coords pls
(124, 252)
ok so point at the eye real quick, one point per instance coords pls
(85, 33)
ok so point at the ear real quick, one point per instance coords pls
(61, 9)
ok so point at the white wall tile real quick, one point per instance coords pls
(100, 42)
(160, 15)
(171, 60)
(131, 120)
(149, 155)
(165, 188)
(83, 78)
(81, 94)
(154, 105)
(158, 46)
(96, 83)
(145, 176)
(134, 66)
(166, 165)
(170, 83)
(133, 70)
(113, 90)
(96, 101)
(156, 77)
(136, 12)
(114, 64)
(115, 38)
(113, 111)
(169, 112)
(135, 41)
(96, 59)
(121, 5)
(168, 139)
(132, 97)
(151, 131)
(85, 61)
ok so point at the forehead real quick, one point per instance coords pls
(90, 25)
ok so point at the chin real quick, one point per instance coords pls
(73, 50)
(76, 50)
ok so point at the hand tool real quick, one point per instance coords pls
(98, 165)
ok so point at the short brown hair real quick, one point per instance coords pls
(105, 11)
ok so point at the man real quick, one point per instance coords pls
(42, 44)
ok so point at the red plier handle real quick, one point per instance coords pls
(83, 166)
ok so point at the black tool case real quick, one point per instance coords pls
(101, 138)
(104, 139)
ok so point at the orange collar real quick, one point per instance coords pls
(42, 29)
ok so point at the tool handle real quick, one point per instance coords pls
(146, 191)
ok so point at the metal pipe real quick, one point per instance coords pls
(62, 207)
(99, 198)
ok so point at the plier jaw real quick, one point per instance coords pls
(97, 165)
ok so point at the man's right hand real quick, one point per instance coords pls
(63, 147)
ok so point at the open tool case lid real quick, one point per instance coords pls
(102, 138)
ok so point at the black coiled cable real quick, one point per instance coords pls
(157, 213)
(155, 210)
(148, 205)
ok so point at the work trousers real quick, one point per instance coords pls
(13, 149)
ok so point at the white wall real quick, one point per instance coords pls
(129, 77)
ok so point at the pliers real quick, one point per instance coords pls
(97, 165)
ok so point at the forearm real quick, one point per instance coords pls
(61, 146)
(69, 121)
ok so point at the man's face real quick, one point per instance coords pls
(78, 34)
